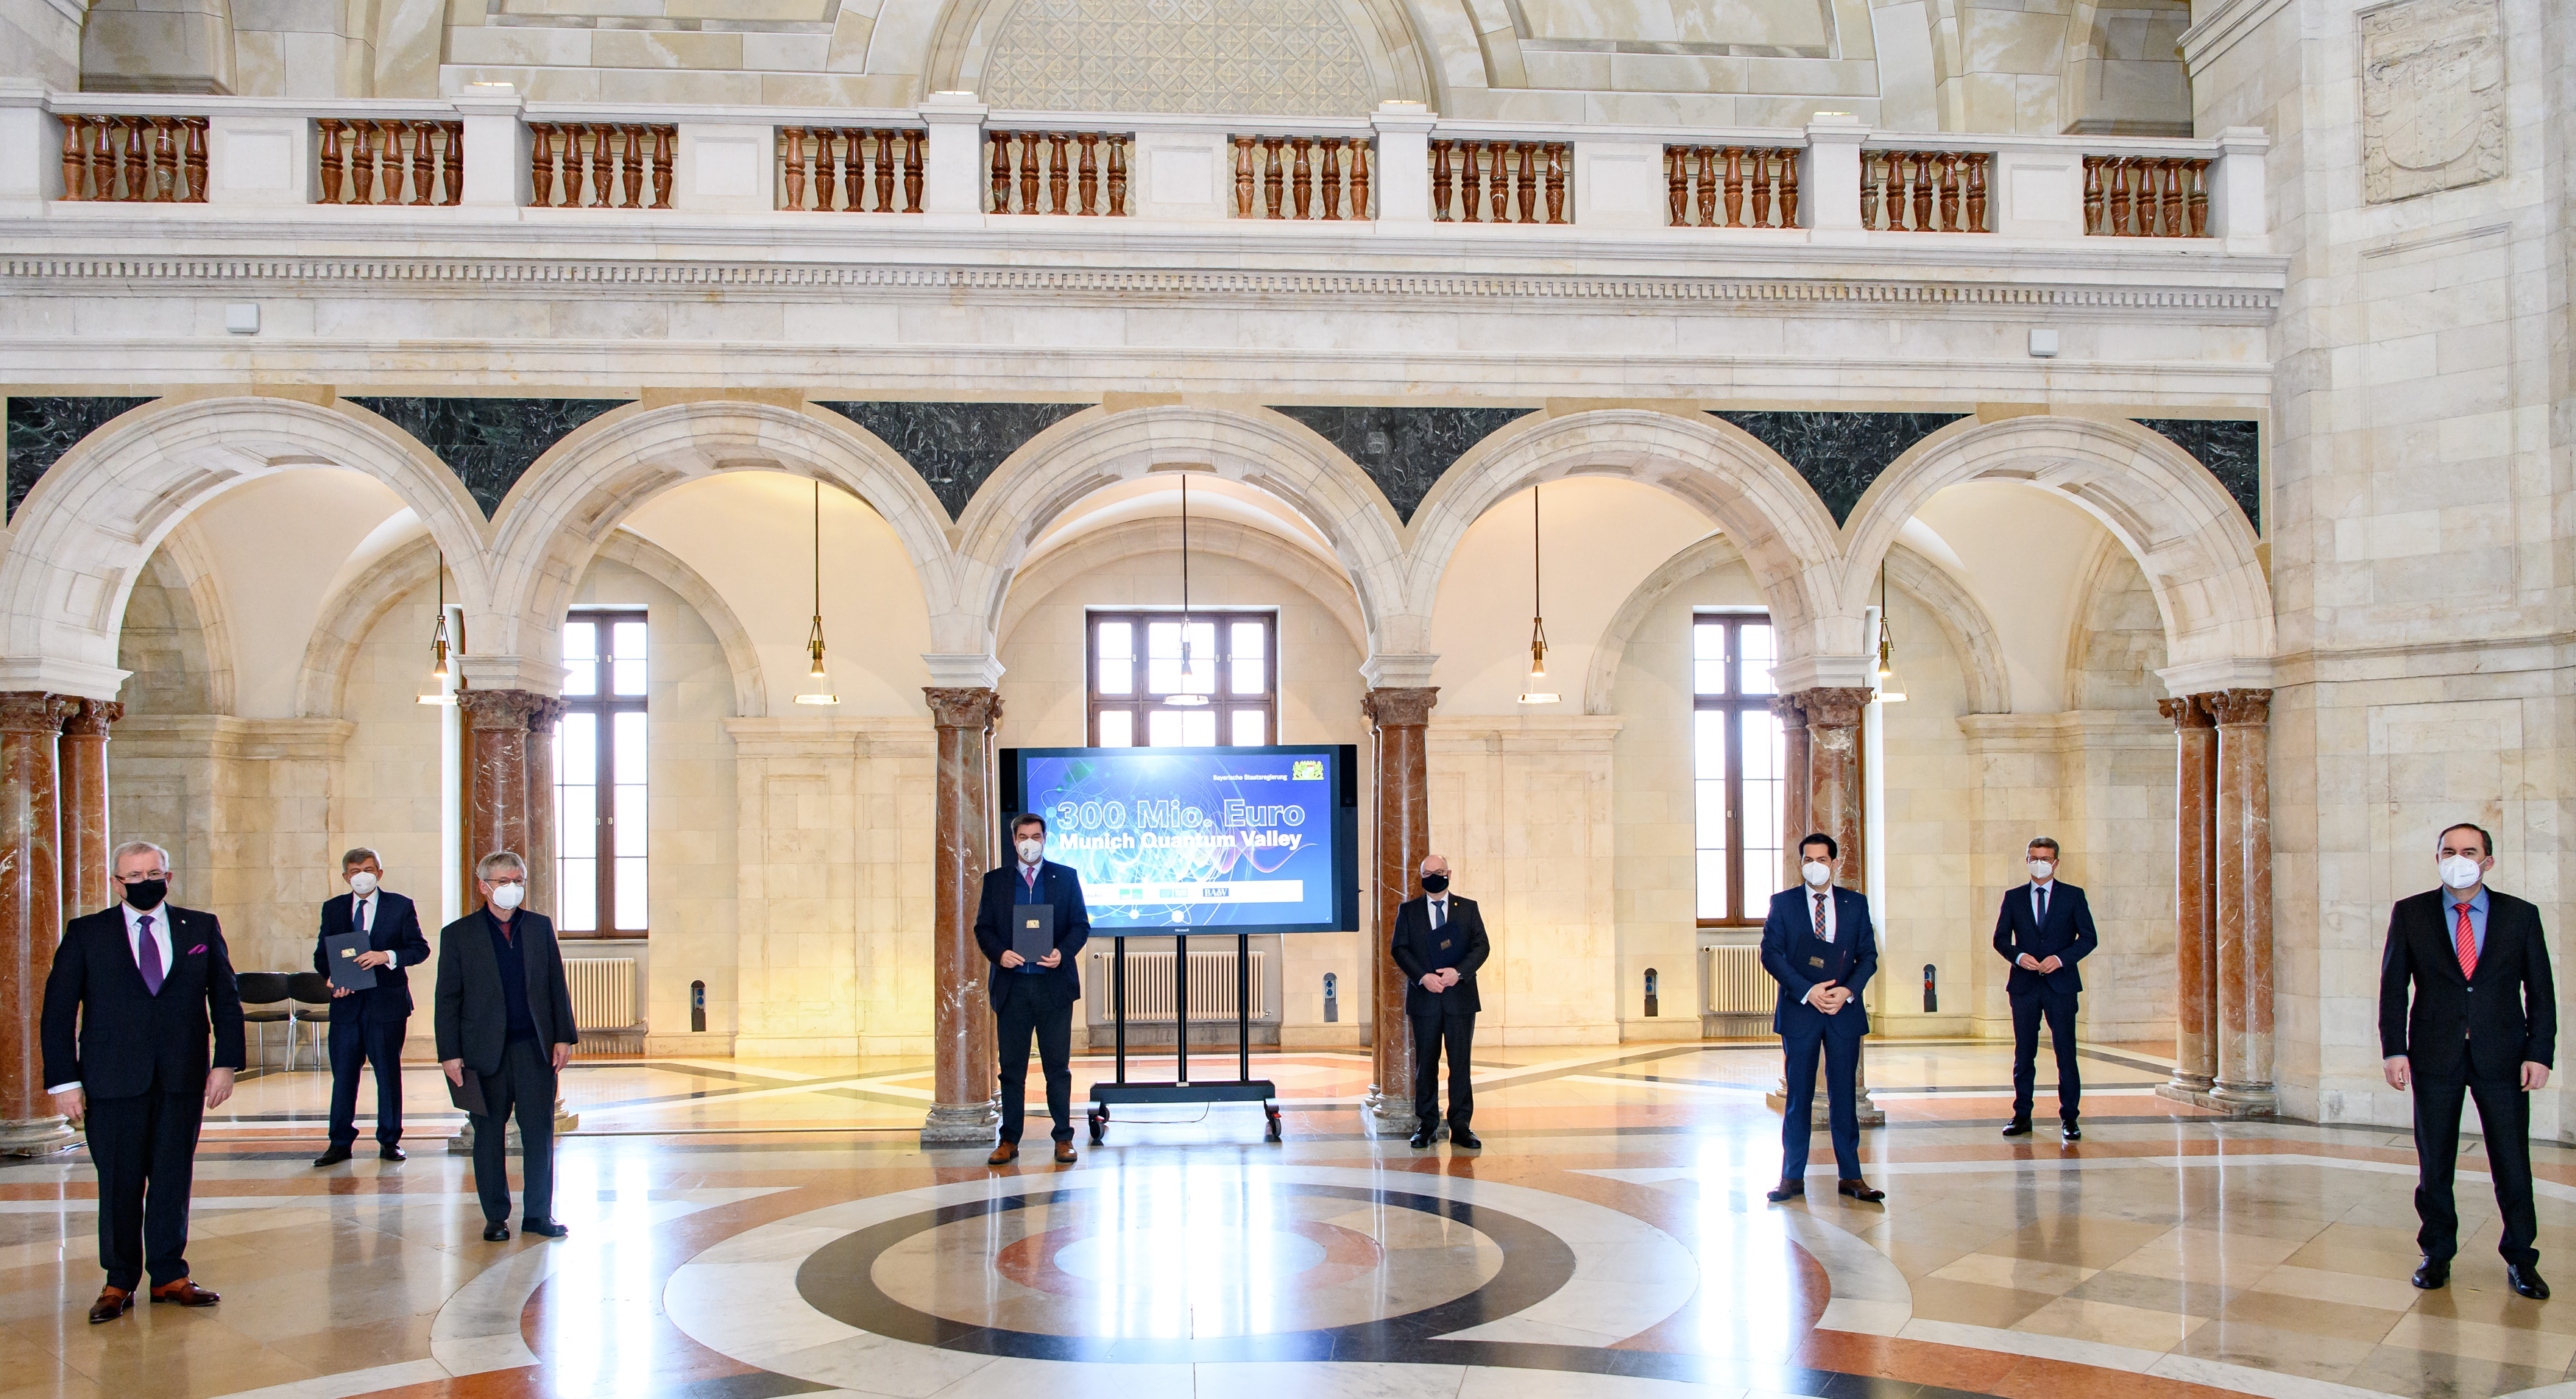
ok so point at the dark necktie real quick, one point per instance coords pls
(362, 915)
(147, 955)
(2043, 907)
(1439, 914)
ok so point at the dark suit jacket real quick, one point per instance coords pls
(1058, 885)
(1418, 949)
(104, 1031)
(2462, 1027)
(1856, 946)
(2069, 937)
(469, 1013)
(396, 930)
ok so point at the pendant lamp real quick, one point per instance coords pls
(1187, 698)
(1891, 686)
(1536, 691)
(437, 691)
(820, 691)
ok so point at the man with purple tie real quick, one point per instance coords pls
(133, 996)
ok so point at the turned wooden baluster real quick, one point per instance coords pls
(1243, 177)
(1977, 192)
(630, 164)
(1676, 185)
(1330, 193)
(75, 158)
(1916, 180)
(912, 172)
(2093, 194)
(1949, 192)
(374, 180)
(1441, 181)
(541, 187)
(1301, 177)
(1500, 179)
(585, 180)
(2120, 197)
(1559, 159)
(451, 163)
(425, 136)
(1059, 174)
(665, 150)
(2199, 206)
(881, 162)
(1029, 171)
(1763, 190)
(1525, 158)
(2173, 200)
(333, 191)
(1118, 177)
(854, 168)
(107, 159)
(384, 160)
(1090, 174)
(1001, 173)
(1471, 180)
(1272, 195)
(414, 174)
(792, 157)
(1360, 179)
(167, 175)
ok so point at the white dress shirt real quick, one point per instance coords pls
(1807, 896)
(1439, 910)
(134, 935)
(2039, 910)
(362, 913)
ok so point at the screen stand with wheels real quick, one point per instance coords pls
(1242, 1088)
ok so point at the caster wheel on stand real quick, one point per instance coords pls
(1099, 1119)
(1271, 1112)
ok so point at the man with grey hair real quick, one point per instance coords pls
(380, 931)
(134, 994)
(503, 1013)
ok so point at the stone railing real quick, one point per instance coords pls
(951, 163)
(1319, 178)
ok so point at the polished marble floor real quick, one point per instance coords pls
(743, 1230)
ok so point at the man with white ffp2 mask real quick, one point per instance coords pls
(2481, 1022)
(2045, 928)
(1819, 945)
(1033, 998)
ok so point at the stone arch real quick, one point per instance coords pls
(1338, 57)
(183, 549)
(322, 686)
(1964, 623)
(1759, 501)
(86, 529)
(568, 504)
(1137, 538)
(1265, 450)
(2187, 534)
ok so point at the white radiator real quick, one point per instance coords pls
(1149, 987)
(603, 992)
(1733, 981)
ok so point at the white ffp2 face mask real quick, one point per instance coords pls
(1817, 872)
(362, 884)
(1030, 850)
(2040, 870)
(508, 896)
(2461, 872)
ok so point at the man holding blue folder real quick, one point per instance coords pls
(1028, 904)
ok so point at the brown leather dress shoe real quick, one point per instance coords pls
(185, 1293)
(1004, 1154)
(112, 1303)
(1064, 1154)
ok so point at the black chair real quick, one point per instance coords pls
(312, 993)
(263, 998)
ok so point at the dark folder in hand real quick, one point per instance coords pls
(1033, 932)
(468, 1095)
(341, 955)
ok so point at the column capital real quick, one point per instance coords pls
(1792, 714)
(500, 710)
(975, 707)
(34, 711)
(2186, 712)
(90, 718)
(1832, 706)
(546, 712)
(1400, 707)
(2234, 707)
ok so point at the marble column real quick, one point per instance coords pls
(1795, 774)
(1828, 748)
(31, 921)
(544, 713)
(2195, 917)
(497, 779)
(2244, 842)
(1399, 729)
(83, 765)
(962, 821)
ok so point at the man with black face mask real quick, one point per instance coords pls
(1440, 942)
(130, 1002)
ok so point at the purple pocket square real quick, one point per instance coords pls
(193, 951)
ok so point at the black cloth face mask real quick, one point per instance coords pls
(1435, 883)
(145, 895)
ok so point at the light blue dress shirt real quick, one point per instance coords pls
(2477, 917)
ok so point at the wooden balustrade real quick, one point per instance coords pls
(1924, 191)
(1498, 181)
(850, 169)
(391, 162)
(1074, 169)
(1706, 186)
(134, 160)
(1317, 178)
(2146, 196)
(600, 165)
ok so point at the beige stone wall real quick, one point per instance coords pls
(1928, 911)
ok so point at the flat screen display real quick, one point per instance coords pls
(1170, 840)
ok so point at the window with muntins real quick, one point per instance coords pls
(1738, 759)
(1134, 673)
(602, 753)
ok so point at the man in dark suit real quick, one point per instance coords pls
(368, 1026)
(503, 1013)
(2483, 1023)
(2044, 929)
(1818, 944)
(1440, 941)
(133, 996)
(1033, 999)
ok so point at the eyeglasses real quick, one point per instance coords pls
(139, 878)
(509, 879)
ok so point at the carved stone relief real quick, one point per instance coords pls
(2432, 97)
(1277, 57)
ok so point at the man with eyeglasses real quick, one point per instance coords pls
(133, 996)
(503, 1013)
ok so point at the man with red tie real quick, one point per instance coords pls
(2483, 1023)
(133, 996)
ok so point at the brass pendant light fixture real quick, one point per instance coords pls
(1891, 686)
(1536, 691)
(437, 690)
(820, 692)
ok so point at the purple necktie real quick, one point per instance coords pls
(148, 953)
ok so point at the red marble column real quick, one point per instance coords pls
(1833, 799)
(31, 918)
(497, 724)
(1796, 773)
(543, 714)
(83, 765)
(2244, 840)
(962, 823)
(1399, 722)
(2195, 917)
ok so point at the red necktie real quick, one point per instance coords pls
(2467, 941)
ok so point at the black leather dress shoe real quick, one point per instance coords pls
(496, 1233)
(543, 1228)
(2072, 1133)
(394, 1153)
(2435, 1272)
(1859, 1190)
(1785, 1190)
(1421, 1140)
(2526, 1281)
(1465, 1140)
(332, 1157)
(2018, 1127)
